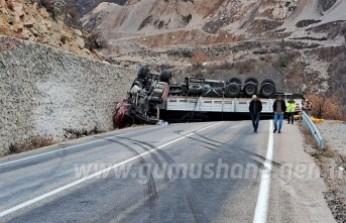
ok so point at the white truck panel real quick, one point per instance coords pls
(200, 104)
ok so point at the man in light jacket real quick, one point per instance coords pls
(279, 108)
(255, 108)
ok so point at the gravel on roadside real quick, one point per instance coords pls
(334, 133)
(332, 163)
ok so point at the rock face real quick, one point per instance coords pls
(46, 93)
(82, 7)
(147, 31)
(29, 20)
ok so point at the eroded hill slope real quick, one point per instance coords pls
(29, 20)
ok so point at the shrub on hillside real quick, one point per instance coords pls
(62, 8)
(327, 106)
(54, 7)
(337, 80)
(30, 144)
(10, 5)
(95, 41)
(187, 18)
(199, 57)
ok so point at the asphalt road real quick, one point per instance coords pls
(197, 172)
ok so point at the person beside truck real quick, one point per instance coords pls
(291, 106)
(255, 108)
(279, 109)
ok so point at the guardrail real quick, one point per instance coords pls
(308, 123)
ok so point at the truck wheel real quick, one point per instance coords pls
(233, 87)
(268, 88)
(165, 76)
(250, 87)
(232, 90)
(143, 71)
(195, 90)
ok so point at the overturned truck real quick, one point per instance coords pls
(146, 93)
(150, 95)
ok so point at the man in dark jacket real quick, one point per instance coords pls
(255, 108)
(279, 108)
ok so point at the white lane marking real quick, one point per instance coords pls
(75, 183)
(59, 150)
(47, 153)
(261, 210)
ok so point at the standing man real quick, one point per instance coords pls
(279, 108)
(255, 108)
(291, 109)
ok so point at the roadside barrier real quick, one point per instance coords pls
(308, 123)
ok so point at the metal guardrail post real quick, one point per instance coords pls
(308, 123)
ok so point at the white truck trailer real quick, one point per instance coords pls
(227, 105)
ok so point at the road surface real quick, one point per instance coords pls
(196, 172)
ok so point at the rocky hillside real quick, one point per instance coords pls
(29, 20)
(82, 7)
(159, 25)
(301, 41)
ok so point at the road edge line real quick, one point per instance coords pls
(261, 211)
(67, 148)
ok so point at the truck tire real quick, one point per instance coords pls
(165, 76)
(250, 87)
(233, 87)
(268, 88)
(195, 90)
(232, 90)
(142, 72)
